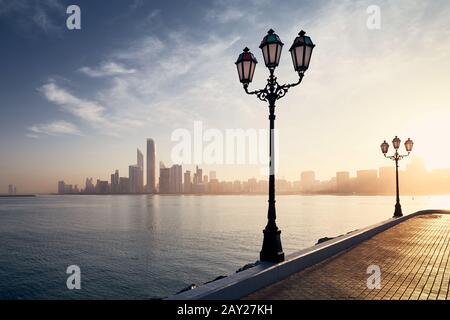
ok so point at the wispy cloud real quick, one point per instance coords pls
(106, 69)
(227, 15)
(91, 112)
(54, 128)
(34, 14)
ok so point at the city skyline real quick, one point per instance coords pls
(172, 180)
(111, 84)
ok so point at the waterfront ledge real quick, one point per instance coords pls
(242, 284)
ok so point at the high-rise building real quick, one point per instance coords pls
(124, 185)
(133, 174)
(136, 174)
(115, 182)
(151, 166)
(308, 181)
(343, 182)
(199, 173)
(89, 186)
(60, 187)
(187, 186)
(176, 179)
(12, 190)
(164, 179)
(212, 175)
(101, 186)
(140, 164)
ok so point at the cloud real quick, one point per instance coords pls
(34, 14)
(89, 111)
(227, 15)
(106, 69)
(54, 128)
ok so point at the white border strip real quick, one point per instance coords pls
(242, 284)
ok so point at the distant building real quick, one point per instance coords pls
(307, 181)
(151, 166)
(343, 182)
(199, 175)
(187, 185)
(237, 186)
(60, 187)
(102, 187)
(176, 179)
(367, 181)
(164, 179)
(133, 174)
(252, 185)
(89, 186)
(115, 188)
(212, 175)
(136, 174)
(124, 185)
(387, 179)
(214, 186)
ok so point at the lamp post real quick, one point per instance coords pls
(271, 47)
(396, 157)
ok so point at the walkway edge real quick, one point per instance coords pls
(242, 284)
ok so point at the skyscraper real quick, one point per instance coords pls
(133, 174)
(115, 182)
(136, 174)
(187, 186)
(164, 178)
(140, 164)
(176, 179)
(60, 187)
(151, 166)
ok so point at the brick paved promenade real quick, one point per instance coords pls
(413, 257)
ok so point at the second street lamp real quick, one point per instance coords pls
(271, 47)
(396, 157)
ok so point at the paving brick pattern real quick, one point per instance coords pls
(413, 258)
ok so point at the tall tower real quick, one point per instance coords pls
(140, 173)
(151, 166)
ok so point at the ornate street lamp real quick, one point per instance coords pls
(271, 47)
(396, 157)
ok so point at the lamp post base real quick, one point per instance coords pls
(398, 211)
(272, 250)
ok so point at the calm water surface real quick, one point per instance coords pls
(141, 247)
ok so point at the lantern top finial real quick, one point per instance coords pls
(301, 33)
(271, 37)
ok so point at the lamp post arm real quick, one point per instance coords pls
(397, 156)
(283, 89)
(260, 94)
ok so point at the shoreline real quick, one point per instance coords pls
(230, 194)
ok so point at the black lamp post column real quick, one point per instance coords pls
(398, 207)
(272, 249)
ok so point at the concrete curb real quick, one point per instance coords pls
(242, 284)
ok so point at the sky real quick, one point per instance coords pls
(77, 103)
